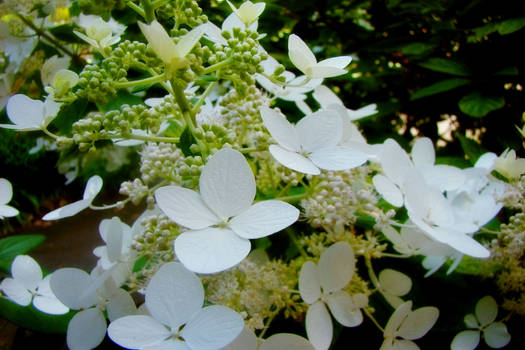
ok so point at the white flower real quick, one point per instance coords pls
(221, 218)
(312, 144)
(99, 33)
(6, 193)
(174, 299)
(328, 98)
(303, 58)
(321, 285)
(248, 12)
(509, 166)
(28, 114)
(27, 283)
(91, 294)
(393, 285)
(281, 341)
(408, 325)
(51, 66)
(93, 187)
(494, 333)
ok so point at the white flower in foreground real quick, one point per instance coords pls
(221, 219)
(304, 59)
(311, 144)
(93, 187)
(6, 193)
(28, 114)
(494, 333)
(173, 55)
(174, 299)
(408, 325)
(99, 33)
(281, 341)
(27, 283)
(91, 294)
(323, 283)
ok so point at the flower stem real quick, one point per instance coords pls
(151, 80)
(136, 8)
(151, 138)
(216, 66)
(295, 241)
(372, 318)
(149, 11)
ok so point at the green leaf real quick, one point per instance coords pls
(68, 115)
(65, 33)
(511, 25)
(445, 65)
(471, 148)
(185, 141)
(10, 247)
(140, 263)
(512, 70)
(123, 97)
(416, 48)
(30, 318)
(476, 105)
(441, 86)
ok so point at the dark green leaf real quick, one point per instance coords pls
(140, 263)
(10, 247)
(185, 141)
(441, 86)
(123, 97)
(262, 243)
(511, 25)
(65, 33)
(448, 66)
(508, 71)
(476, 105)
(416, 48)
(471, 148)
(68, 115)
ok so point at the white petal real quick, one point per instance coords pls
(67, 210)
(185, 207)
(386, 188)
(471, 321)
(344, 310)
(326, 97)
(321, 71)
(25, 112)
(159, 40)
(486, 310)
(496, 335)
(120, 304)
(188, 41)
(113, 233)
(6, 191)
(418, 322)
(403, 344)
(319, 326)
(26, 270)
(70, 286)
(293, 160)
(338, 62)
(336, 267)
(246, 340)
(394, 161)
(285, 341)
(227, 184)
(137, 332)
(173, 295)
(212, 328)
(211, 250)
(300, 54)
(337, 158)
(263, 219)
(319, 130)
(309, 285)
(395, 282)
(8, 211)
(93, 187)
(15, 291)
(86, 330)
(280, 128)
(443, 177)
(423, 152)
(466, 340)
(46, 301)
(396, 319)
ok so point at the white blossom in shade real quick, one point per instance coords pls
(92, 294)
(221, 218)
(393, 285)
(51, 66)
(174, 299)
(312, 144)
(99, 33)
(248, 341)
(248, 12)
(495, 333)
(508, 165)
(6, 193)
(405, 325)
(327, 98)
(93, 187)
(28, 114)
(28, 284)
(321, 286)
(304, 59)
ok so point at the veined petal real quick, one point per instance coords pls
(211, 250)
(173, 295)
(137, 332)
(67, 210)
(336, 267)
(86, 330)
(466, 340)
(286, 341)
(26, 270)
(15, 291)
(280, 128)
(25, 112)
(337, 158)
(300, 54)
(309, 285)
(227, 184)
(185, 207)
(319, 326)
(120, 304)
(319, 130)
(263, 219)
(344, 310)
(394, 161)
(293, 160)
(212, 328)
(386, 188)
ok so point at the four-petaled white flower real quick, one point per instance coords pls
(281, 341)
(304, 59)
(321, 285)
(27, 283)
(99, 33)
(408, 325)
(221, 219)
(28, 114)
(93, 187)
(6, 193)
(494, 333)
(312, 144)
(174, 299)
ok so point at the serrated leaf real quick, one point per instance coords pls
(476, 105)
(445, 65)
(511, 25)
(416, 48)
(439, 87)
(10, 247)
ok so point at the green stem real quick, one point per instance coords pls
(267, 325)
(248, 150)
(151, 80)
(136, 8)
(197, 106)
(294, 240)
(216, 66)
(151, 138)
(292, 198)
(158, 3)
(372, 318)
(149, 11)
(49, 133)
(109, 206)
